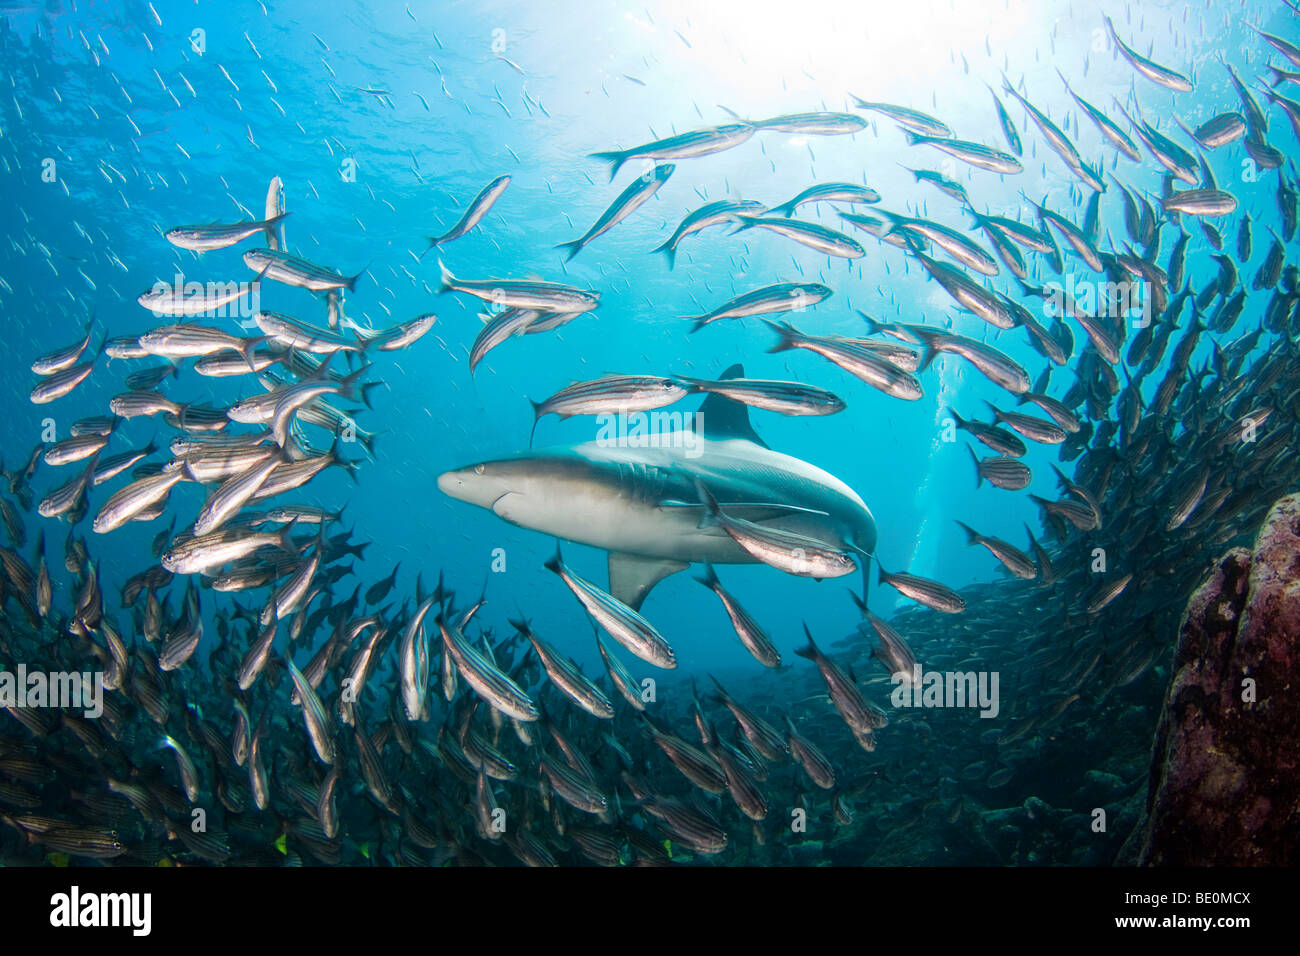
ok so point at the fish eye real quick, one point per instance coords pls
(479, 469)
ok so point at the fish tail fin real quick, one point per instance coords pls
(349, 466)
(669, 251)
(913, 138)
(284, 539)
(365, 391)
(352, 280)
(348, 386)
(616, 158)
(928, 339)
(961, 422)
(368, 441)
(574, 248)
(445, 279)
(245, 349)
(979, 476)
(786, 331)
(972, 536)
(711, 512)
(434, 241)
(810, 652)
(997, 415)
(272, 229)
(556, 561)
(710, 579)
(537, 417)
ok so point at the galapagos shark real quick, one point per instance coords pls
(639, 500)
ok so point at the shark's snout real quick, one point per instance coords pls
(475, 484)
(452, 483)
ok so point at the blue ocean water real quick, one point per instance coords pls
(123, 120)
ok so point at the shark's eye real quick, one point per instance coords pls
(479, 469)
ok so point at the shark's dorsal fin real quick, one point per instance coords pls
(721, 418)
(631, 576)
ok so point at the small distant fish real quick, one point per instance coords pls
(932, 594)
(975, 154)
(851, 356)
(702, 142)
(1035, 429)
(813, 124)
(1012, 558)
(1002, 472)
(1107, 593)
(296, 271)
(632, 198)
(567, 676)
(749, 631)
(998, 367)
(1200, 202)
(910, 118)
(786, 398)
(1153, 71)
(816, 237)
(810, 758)
(1221, 130)
(619, 621)
(712, 214)
(613, 394)
(784, 550)
(218, 236)
(769, 300)
(828, 192)
(496, 688)
(479, 208)
(60, 360)
(861, 717)
(61, 383)
(514, 294)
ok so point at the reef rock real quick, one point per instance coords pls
(1225, 772)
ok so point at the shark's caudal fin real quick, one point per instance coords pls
(720, 417)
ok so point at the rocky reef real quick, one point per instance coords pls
(1225, 766)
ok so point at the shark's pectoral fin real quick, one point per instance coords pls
(632, 576)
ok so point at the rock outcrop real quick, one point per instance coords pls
(1225, 772)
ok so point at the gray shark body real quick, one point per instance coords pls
(641, 505)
